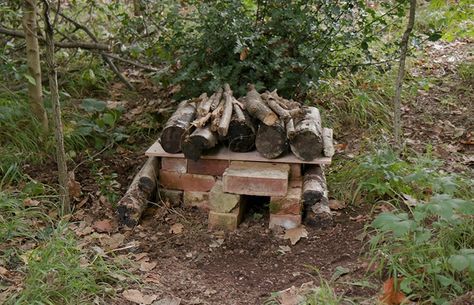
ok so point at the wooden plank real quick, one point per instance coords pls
(223, 153)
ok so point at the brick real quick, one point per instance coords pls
(196, 199)
(174, 197)
(226, 221)
(256, 178)
(186, 182)
(208, 167)
(289, 204)
(287, 221)
(222, 202)
(178, 165)
(295, 171)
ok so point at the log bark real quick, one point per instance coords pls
(328, 142)
(217, 99)
(216, 115)
(204, 105)
(258, 109)
(314, 186)
(177, 126)
(290, 129)
(139, 193)
(307, 142)
(196, 143)
(242, 129)
(276, 107)
(271, 141)
(224, 121)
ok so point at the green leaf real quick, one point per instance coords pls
(93, 105)
(458, 262)
(30, 79)
(340, 271)
(443, 280)
(109, 119)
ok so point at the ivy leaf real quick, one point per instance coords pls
(93, 105)
(458, 262)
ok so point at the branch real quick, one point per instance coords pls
(64, 45)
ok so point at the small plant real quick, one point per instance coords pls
(431, 248)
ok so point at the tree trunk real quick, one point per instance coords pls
(176, 127)
(401, 72)
(200, 140)
(58, 131)
(242, 129)
(271, 141)
(314, 185)
(307, 142)
(258, 109)
(139, 193)
(35, 89)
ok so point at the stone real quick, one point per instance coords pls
(174, 197)
(196, 199)
(226, 221)
(208, 167)
(186, 182)
(178, 165)
(256, 178)
(288, 221)
(222, 202)
(289, 204)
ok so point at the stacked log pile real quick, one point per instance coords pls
(268, 122)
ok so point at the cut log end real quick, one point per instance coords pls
(307, 145)
(271, 141)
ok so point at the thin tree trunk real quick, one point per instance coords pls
(35, 89)
(58, 131)
(401, 72)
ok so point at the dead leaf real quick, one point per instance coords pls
(294, 235)
(392, 295)
(138, 297)
(147, 266)
(73, 186)
(244, 54)
(113, 242)
(335, 204)
(360, 218)
(28, 202)
(177, 228)
(168, 301)
(3, 271)
(103, 226)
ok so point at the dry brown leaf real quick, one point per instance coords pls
(113, 242)
(73, 186)
(147, 266)
(336, 204)
(3, 271)
(244, 54)
(177, 228)
(294, 235)
(391, 295)
(138, 297)
(103, 226)
(28, 202)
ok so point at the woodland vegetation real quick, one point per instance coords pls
(87, 85)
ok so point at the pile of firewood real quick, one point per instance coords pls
(266, 121)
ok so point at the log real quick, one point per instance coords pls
(224, 121)
(314, 186)
(271, 141)
(258, 109)
(328, 142)
(216, 116)
(197, 142)
(217, 99)
(307, 142)
(177, 126)
(290, 129)
(139, 193)
(204, 105)
(276, 107)
(242, 129)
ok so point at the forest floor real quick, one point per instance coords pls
(178, 261)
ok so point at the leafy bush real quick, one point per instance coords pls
(280, 44)
(431, 248)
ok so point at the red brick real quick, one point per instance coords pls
(289, 204)
(256, 178)
(227, 221)
(208, 167)
(286, 221)
(295, 171)
(186, 182)
(196, 199)
(178, 165)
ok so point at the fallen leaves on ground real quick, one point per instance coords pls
(336, 204)
(294, 235)
(136, 296)
(28, 202)
(147, 266)
(103, 226)
(391, 295)
(177, 228)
